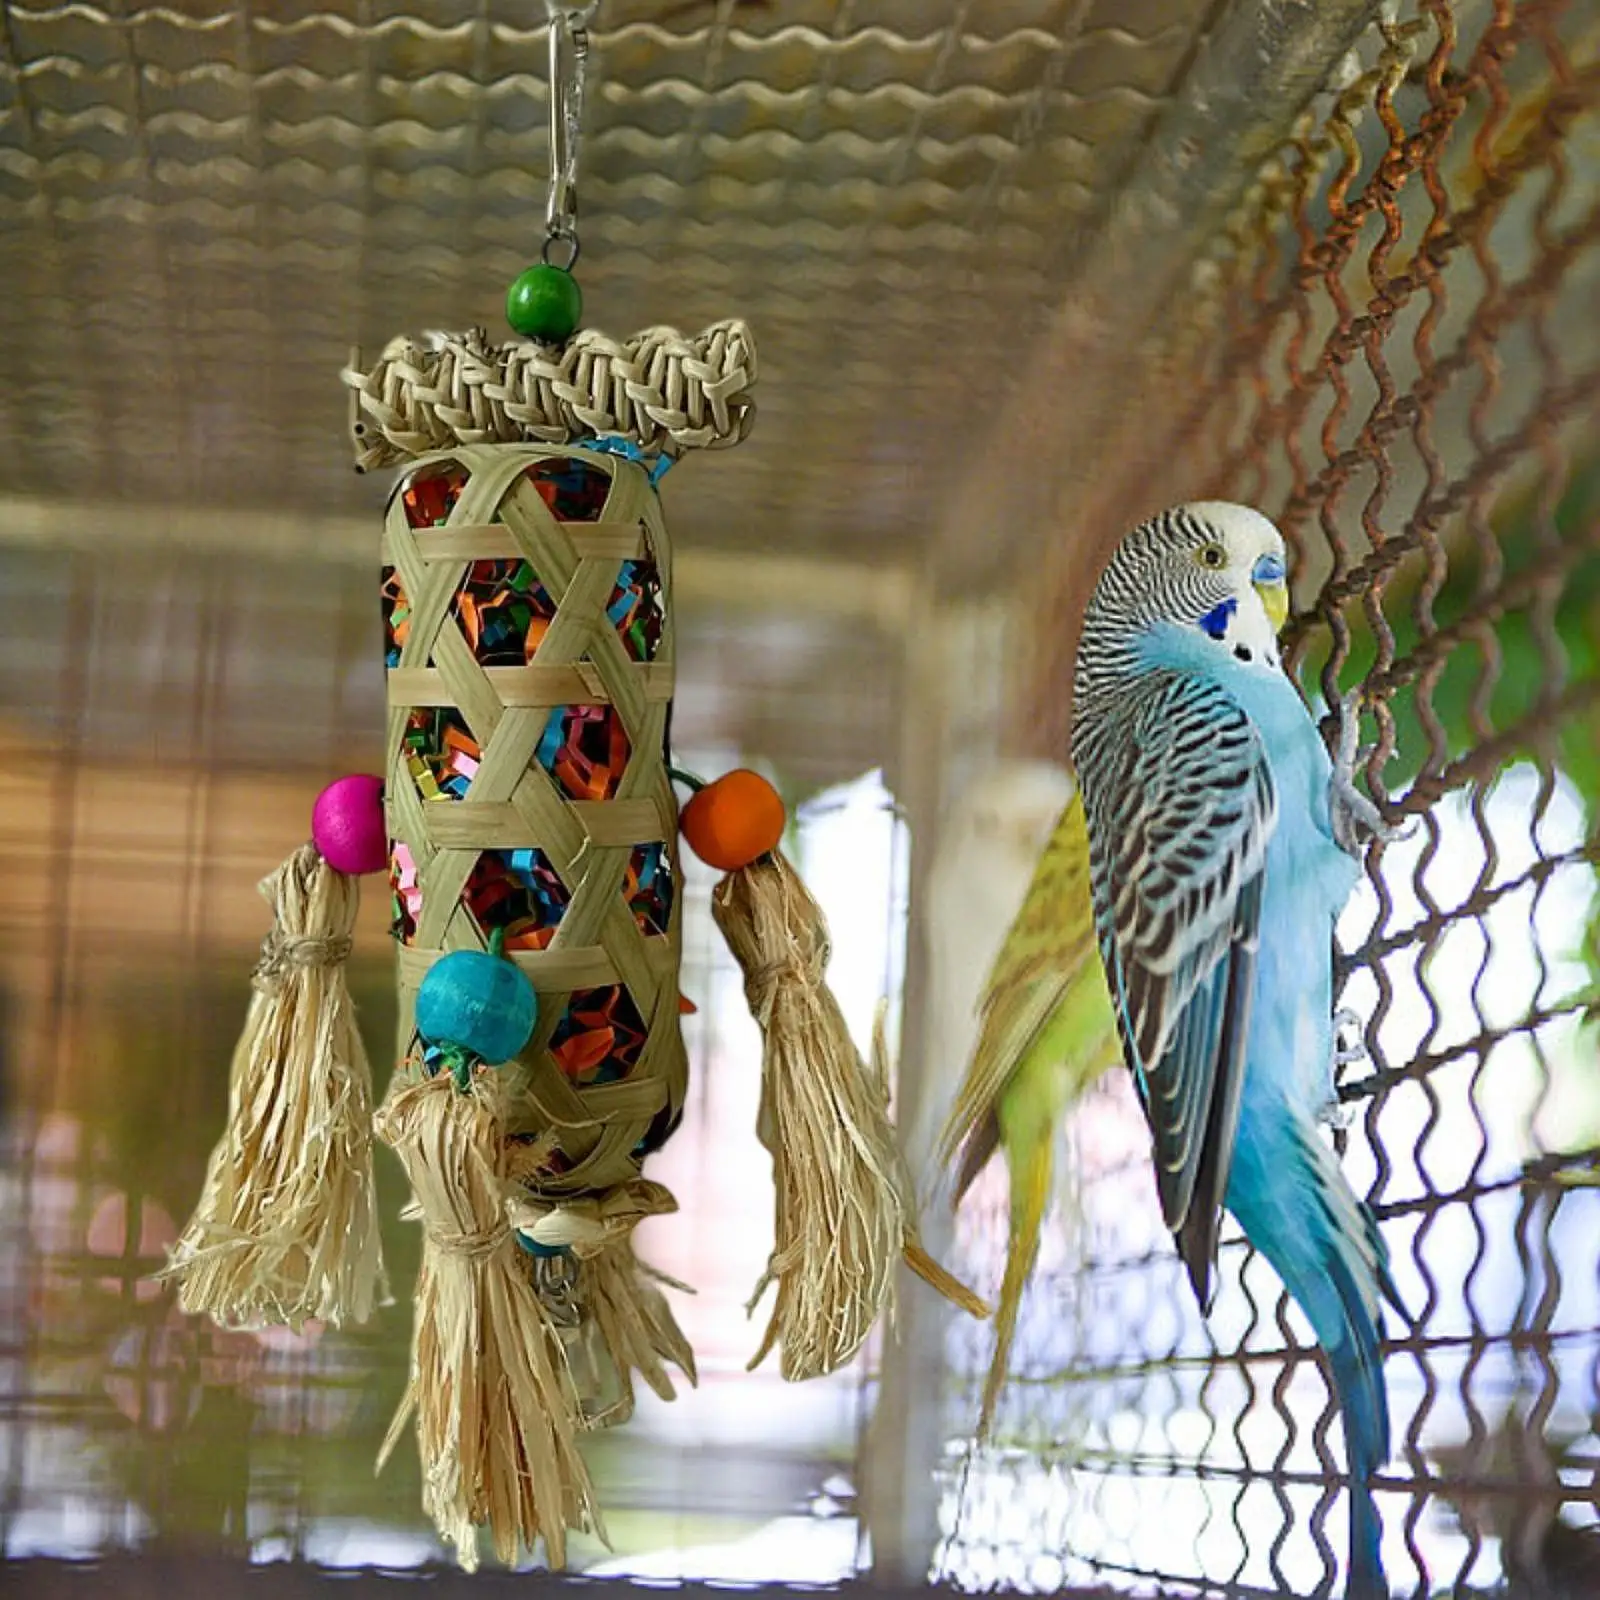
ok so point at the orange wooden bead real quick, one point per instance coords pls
(733, 821)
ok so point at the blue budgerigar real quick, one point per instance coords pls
(1224, 843)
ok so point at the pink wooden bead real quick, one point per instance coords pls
(348, 827)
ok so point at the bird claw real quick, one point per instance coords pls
(1349, 1044)
(1349, 714)
(1349, 1037)
(1336, 1113)
(1357, 822)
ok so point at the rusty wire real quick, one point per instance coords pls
(1394, 353)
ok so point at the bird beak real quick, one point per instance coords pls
(1275, 601)
(1272, 585)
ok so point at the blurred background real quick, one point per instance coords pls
(1020, 273)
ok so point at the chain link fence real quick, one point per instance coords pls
(1393, 348)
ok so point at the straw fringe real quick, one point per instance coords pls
(497, 1412)
(286, 1225)
(844, 1213)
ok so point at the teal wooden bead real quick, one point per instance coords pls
(480, 1002)
(544, 303)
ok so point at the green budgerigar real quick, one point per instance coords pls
(1046, 1034)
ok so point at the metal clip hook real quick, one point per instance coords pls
(569, 58)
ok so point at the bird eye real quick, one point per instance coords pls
(1212, 555)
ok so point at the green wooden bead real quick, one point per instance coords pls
(544, 303)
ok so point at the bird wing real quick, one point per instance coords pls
(1181, 813)
(1048, 949)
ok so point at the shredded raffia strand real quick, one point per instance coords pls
(286, 1226)
(844, 1215)
(497, 1411)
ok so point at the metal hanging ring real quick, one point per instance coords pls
(549, 253)
(561, 247)
(555, 1281)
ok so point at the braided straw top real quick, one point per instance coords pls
(660, 390)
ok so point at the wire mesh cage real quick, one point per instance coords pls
(1391, 348)
(189, 182)
(1022, 272)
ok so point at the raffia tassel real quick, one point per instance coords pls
(844, 1214)
(496, 1410)
(635, 1324)
(286, 1225)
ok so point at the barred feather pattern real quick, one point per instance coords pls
(1181, 807)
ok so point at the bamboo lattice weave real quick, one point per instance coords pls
(514, 803)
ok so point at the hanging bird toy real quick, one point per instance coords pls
(529, 827)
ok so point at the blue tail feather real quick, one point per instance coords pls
(1380, 1252)
(1316, 1235)
(1357, 1365)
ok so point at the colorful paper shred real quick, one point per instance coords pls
(396, 616)
(575, 490)
(406, 896)
(441, 754)
(504, 611)
(635, 608)
(600, 1037)
(648, 887)
(599, 1040)
(430, 493)
(519, 892)
(586, 750)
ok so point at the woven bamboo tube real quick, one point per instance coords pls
(514, 803)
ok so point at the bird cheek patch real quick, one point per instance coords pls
(1215, 622)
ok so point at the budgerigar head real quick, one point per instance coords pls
(1212, 566)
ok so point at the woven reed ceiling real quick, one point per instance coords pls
(202, 208)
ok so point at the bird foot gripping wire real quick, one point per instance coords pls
(1336, 1114)
(1349, 1045)
(1349, 1037)
(1357, 822)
